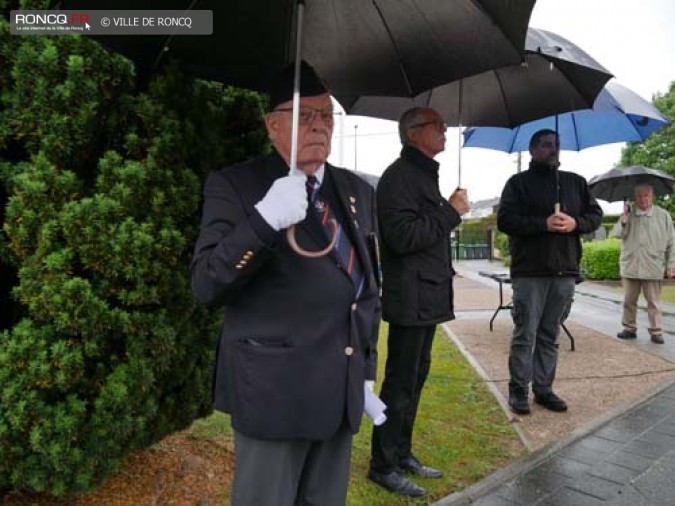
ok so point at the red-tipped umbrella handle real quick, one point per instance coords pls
(290, 236)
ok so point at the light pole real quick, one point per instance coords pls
(355, 145)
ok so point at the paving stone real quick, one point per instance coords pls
(569, 497)
(630, 497)
(616, 434)
(581, 454)
(658, 481)
(599, 444)
(666, 427)
(645, 449)
(566, 467)
(665, 440)
(634, 423)
(656, 409)
(612, 472)
(596, 487)
(629, 460)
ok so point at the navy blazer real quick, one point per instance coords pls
(296, 344)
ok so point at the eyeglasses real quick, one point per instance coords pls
(306, 114)
(440, 125)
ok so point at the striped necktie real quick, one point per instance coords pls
(343, 246)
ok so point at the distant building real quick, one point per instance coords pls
(483, 208)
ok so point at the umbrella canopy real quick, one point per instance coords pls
(618, 115)
(619, 183)
(554, 76)
(385, 47)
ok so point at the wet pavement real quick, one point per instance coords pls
(624, 458)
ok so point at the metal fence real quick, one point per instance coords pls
(470, 251)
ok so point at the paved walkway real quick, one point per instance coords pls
(625, 458)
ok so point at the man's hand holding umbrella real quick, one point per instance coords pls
(285, 203)
(561, 223)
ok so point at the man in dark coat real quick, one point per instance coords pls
(415, 224)
(299, 335)
(544, 211)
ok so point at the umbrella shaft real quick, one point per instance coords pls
(296, 89)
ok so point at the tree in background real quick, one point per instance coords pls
(658, 151)
(106, 350)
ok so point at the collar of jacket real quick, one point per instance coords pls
(416, 157)
(540, 167)
(640, 212)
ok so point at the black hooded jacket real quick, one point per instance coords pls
(528, 199)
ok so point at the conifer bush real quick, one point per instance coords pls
(110, 352)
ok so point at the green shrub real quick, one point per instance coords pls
(110, 352)
(502, 244)
(600, 259)
(475, 231)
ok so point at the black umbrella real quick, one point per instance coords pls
(384, 47)
(554, 76)
(619, 183)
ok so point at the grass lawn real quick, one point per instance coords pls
(667, 292)
(460, 429)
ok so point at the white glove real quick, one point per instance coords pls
(370, 385)
(285, 203)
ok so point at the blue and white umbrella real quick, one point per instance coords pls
(618, 115)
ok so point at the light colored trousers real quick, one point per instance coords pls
(651, 289)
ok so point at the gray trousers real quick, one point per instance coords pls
(540, 305)
(291, 472)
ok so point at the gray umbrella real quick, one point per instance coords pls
(619, 183)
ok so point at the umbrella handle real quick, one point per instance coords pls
(290, 236)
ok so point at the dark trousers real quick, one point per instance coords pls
(294, 472)
(539, 307)
(408, 362)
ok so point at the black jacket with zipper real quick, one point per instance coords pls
(528, 199)
(415, 224)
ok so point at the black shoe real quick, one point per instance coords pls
(518, 403)
(627, 334)
(415, 466)
(551, 401)
(397, 483)
(657, 338)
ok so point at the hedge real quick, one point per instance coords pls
(600, 259)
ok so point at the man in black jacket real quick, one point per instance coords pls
(415, 223)
(299, 335)
(544, 211)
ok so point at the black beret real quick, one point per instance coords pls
(281, 87)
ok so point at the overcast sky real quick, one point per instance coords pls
(634, 40)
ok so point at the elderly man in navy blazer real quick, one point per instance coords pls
(298, 343)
